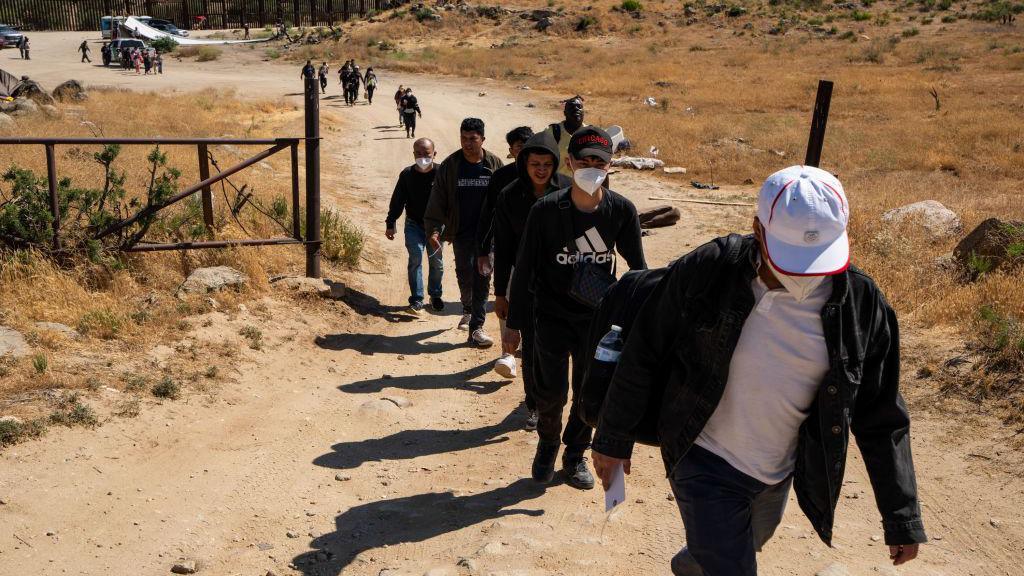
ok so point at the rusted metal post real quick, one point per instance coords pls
(204, 174)
(296, 222)
(818, 123)
(312, 178)
(51, 181)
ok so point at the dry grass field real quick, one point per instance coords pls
(734, 95)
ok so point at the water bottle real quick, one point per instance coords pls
(606, 357)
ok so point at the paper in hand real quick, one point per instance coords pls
(616, 493)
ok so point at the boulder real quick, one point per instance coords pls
(935, 219)
(6, 122)
(538, 15)
(543, 24)
(993, 244)
(303, 285)
(32, 90)
(70, 91)
(212, 279)
(25, 106)
(12, 343)
(58, 328)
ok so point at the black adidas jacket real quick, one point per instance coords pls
(544, 265)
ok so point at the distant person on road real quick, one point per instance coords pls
(453, 215)
(370, 81)
(322, 74)
(343, 75)
(308, 71)
(355, 78)
(585, 223)
(158, 63)
(245, 30)
(105, 54)
(787, 350)
(137, 58)
(85, 50)
(398, 104)
(410, 109)
(537, 176)
(147, 62)
(412, 192)
(25, 48)
(562, 131)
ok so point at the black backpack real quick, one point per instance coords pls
(620, 307)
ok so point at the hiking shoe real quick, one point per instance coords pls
(506, 366)
(544, 462)
(481, 339)
(416, 308)
(437, 304)
(531, 420)
(464, 321)
(578, 473)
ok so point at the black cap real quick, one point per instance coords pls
(591, 141)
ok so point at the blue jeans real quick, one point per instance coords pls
(728, 516)
(416, 244)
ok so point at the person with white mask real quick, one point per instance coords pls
(759, 356)
(581, 226)
(412, 192)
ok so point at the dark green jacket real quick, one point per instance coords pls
(443, 207)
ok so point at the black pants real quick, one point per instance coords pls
(323, 84)
(530, 372)
(555, 341)
(410, 123)
(369, 94)
(85, 57)
(474, 288)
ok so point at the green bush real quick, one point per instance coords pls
(40, 363)
(910, 32)
(71, 412)
(100, 323)
(164, 45)
(948, 19)
(207, 54)
(860, 16)
(342, 240)
(631, 6)
(423, 14)
(12, 432)
(585, 23)
(167, 388)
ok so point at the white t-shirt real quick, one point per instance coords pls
(779, 363)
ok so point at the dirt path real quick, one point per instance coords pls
(389, 447)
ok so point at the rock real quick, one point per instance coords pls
(59, 328)
(186, 567)
(25, 106)
(342, 477)
(70, 91)
(833, 569)
(292, 534)
(32, 90)
(8, 106)
(319, 286)
(6, 122)
(205, 280)
(543, 24)
(993, 244)
(12, 343)
(467, 563)
(49, 110)
(51, 533)
(378, 407)
(399, 401)
(494, 548)
(937, 220)
(994, 522)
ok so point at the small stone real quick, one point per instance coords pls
(399, 401)
(186, 567)
(995, 522)
(51, 533)
(264, 546)
(342, 477)
(875, 538)
(467, 563)
(833, 569)
(292, 534)
(203, 280)
(310, 514)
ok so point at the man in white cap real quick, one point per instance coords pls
(759, 356)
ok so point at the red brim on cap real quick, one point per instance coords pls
(808, 260)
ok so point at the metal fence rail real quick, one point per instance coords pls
(312, 240)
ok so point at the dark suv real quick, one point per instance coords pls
(9, 36)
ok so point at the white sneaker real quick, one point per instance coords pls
(481, 339)
(506, 366)
(464, 321)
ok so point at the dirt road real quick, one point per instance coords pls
(363, 440)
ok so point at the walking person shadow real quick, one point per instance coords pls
(410, 519)
(409, 444)
(370, 344)
(429, 382)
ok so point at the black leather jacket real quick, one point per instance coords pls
(678, 355)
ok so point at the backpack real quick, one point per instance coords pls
(556, 131)
(620, 307)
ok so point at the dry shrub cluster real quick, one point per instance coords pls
(890, 139)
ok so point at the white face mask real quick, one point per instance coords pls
(589, 179)
(800, 287)
(424, 164)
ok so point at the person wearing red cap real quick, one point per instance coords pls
(761, 355)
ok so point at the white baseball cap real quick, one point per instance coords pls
(804, 213)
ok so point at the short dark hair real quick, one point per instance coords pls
(521, 134)
(473, 125)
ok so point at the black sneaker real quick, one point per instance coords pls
(437, 304)
(578, 473)
(531, 421)
(544, 462)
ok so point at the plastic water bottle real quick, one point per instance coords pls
(606, 357)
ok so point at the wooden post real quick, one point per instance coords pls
(204, 174)
(818, 122)
(312, 178)
(51, 182)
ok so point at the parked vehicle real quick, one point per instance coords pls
(109, 23)
(167, 26)
(9, 35)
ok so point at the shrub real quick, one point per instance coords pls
(164, 45)
(100, 323)
(207, 54)
(253, 335)
(423, 14)
(948, 19)
(342, 240)
(910, 32)
(13, 431)
(40, 363)
(71, 412)
(860, 16)
(272, 53)
(585, 23)
(631, 6)
(167, 388)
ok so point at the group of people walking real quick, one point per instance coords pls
(24, 47)
(755, 357)
(350, 77)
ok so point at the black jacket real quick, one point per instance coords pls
(412, 192)
(501, 178)
(512, 206)
(681, 346)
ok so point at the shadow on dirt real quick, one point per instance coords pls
(409, 444)
(366, 305)
(370, 344)
(457, 380)
(410, 519)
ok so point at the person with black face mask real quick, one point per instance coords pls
(536, 167)
(562, 132)
(585, 223)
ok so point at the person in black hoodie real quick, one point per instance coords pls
(501, 178)
(536, 167)
(601, 222)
